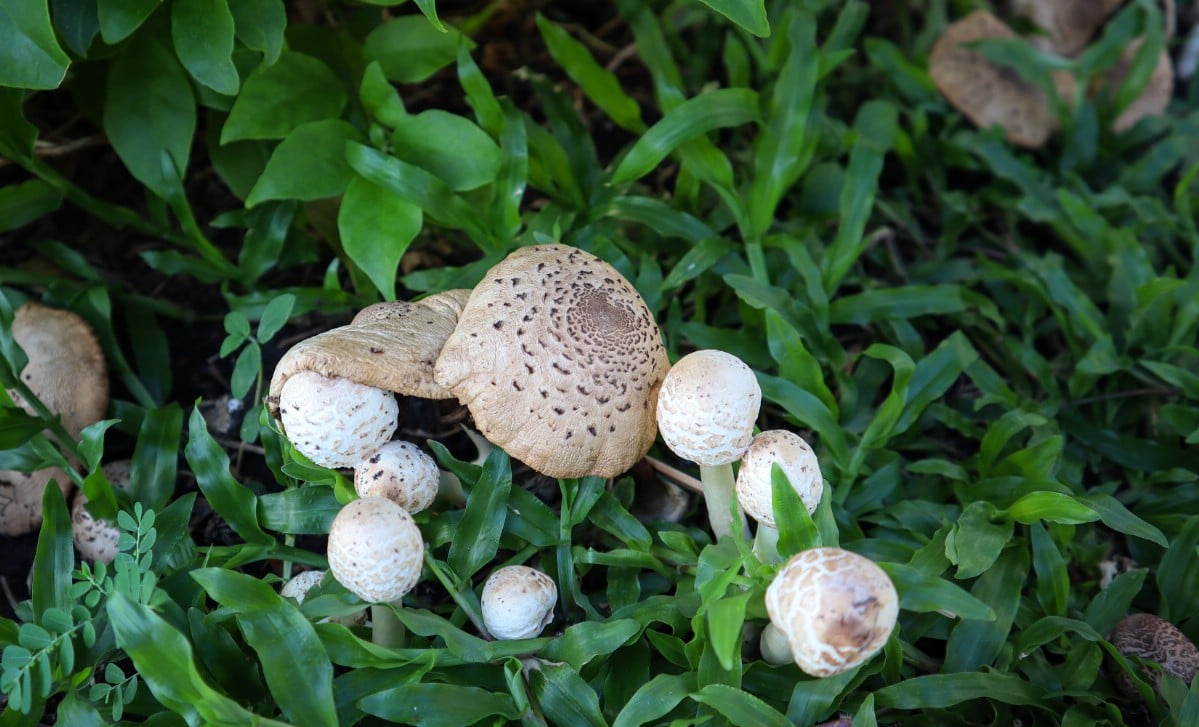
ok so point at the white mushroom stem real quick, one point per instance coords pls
(719, 491)
(774, 646)
(386, 627)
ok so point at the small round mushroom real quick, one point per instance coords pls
(68, 374)
(302, 583)
(755, 489)
(376, 551)
(706, 412)
(402, 473)
(518, 602)
(1154, 639)
(830, 610)
(96, 540)
(336, 422)
(559, 360)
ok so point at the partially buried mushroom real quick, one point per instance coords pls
(67, 372)
(98, 540)
(559, 360)
(1154, 639)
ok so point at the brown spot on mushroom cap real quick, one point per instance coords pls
(390, 346)
(989, 94)
(1068, 24)
(96, 540)
(568, 381)
(836, 609)
(1154, 639)
(1153, 99)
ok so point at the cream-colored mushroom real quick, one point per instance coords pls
(402, 473)
(830, 610)
(518, 602)
(68, 374)
(706, 413)
(755, 490)
(336, 422)
(97, 540)
(1156, 640)
(559, 360)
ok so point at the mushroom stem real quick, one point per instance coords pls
(386, 628)
(774, 647)
(719, 494)
(766, 544)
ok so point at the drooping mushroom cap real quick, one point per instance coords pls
(402, 473)
(987, 93)
(375, 549)
(797, 460)
(1155, 639)
(1068, 24)
(559, 360)
(21, 498)
(707, 407)
(835, 608)
(389, 346)
(518, 602)
(96, 540)
(1153, 99)
(336, 422)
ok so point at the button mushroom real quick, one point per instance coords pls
(336, 422)
(755, 489)
(559, 360)
(67, 373)
(97, 540)
(518, 602)
(376, 551)
(706, 412)
(1155, 640)
(830, 610)
(402, 473)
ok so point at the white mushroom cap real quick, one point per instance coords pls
(836, 608)
(797, 460)
(402, 473)
(336, 422)
(707, 407)
(375, 549)
(96, 540)
(518, 602)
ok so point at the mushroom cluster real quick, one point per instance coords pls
(991, 94)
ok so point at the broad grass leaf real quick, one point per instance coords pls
(229, 498)
(976, 643)
(202, 31)
(260, 25)
(478, 536)
(939, 691)
(611, 516)
(438, 705)
(297, 669)
(808, 411)
(813, 699)
(739, 707)
(975, 541)
(305, 510)
(796, 529)
(882, 426)
(479, 94)
(924, 593)
(512, 178)
(1146, 455)
(277, 98)
(1053, 582)
(309, 164)
(749, 14)
(154, 147)
(1048, 628)
(906, 302)
(1113, 603)
(1119, 518)
(1178, 575)
(657, 698)
(376, 228)
(564, 697)
(17, 427)
(693, 118)
(77, 24)
(410, 49)
(583, 642)
(665, 220)
(25, 202)
(696, 261)
(598, 83)
(119, 18)
(449, 146)
(726, 617)
(54, 558)
(1053, 506)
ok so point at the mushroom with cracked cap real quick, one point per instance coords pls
(517, 602)
(755, 487)
(97, 540)
(402, 473)
(830, 610)
(1156, 640)
(706, 412)
(559, 360)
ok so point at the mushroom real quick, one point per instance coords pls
(97, 540)
(336, 422)
(1156, 640)
(1068, 24)
(518, 602)
(706, 413)
(67, 373)
(402, 473)
(376, 551)
(302, 583)
(830, 610)
(559, 360)
(987, 93)
(755, 489)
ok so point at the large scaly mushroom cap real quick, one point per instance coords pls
(755, 486)
(375, 549)
(1155, 639)
(987, 93)
(836, 608)
(559, 360)
(1068, 24)
(390, 346)
(67, 372)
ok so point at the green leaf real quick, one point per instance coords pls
(597, 82)
(245, 370)
(274, 316)
(1119, 518)
(923, 592)
(1053, 506)
(275, 99)
(54, 558)
(478, 535)
(25, 202)
(119, 18)
(749, 14)
(725, 618)
(976, 643)
(410, 49)
(975, 542)
(306, 510)
(438, 705)
(1178, 583)
(309, 164)
(694, 117)
(298, 659)
(655, 699)
(203, 34)
(260, 25)
(938, 691)
(909, 301)
(231, 500)
(581, 643)
(30, 56)
(451, 147)
(564, 697)
(150, 114)
(740, 707)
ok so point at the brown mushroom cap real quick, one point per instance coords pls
(1155, 639)
(1068, 24)
(559, 360)
(21, 498)
(97, 540)
(989, 94)
(390, 346)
